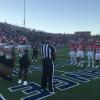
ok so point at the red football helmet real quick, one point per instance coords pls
(22, 40)
(3, 39)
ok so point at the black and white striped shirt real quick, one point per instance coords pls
(48, 51)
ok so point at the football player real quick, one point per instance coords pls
(90, 53)
(2, 56)
(10, 59)
(97, 54)
(23, 60)
(35, 52)
(80, 52)
(72, 53)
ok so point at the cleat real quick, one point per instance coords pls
(43, 90)
(78, 64)
(88, 66)
(97, 66)
(36, 60)
(25, 83)
(93, 66)
(19, 81)
(81, 65)
(51, 91)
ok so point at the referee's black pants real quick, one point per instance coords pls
(47, 75)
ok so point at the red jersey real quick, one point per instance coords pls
(72, 47)
(80, 46)
(97, 47)
(90, 47)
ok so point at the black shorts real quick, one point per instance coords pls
(23, 62)
(2, 59)
(9, 62)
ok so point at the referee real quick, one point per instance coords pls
(48, 52)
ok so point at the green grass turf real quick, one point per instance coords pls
(85, 91)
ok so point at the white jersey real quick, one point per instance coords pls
(21, 49)
(97, 51)
(8, 51)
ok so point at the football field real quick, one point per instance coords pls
(70, 82)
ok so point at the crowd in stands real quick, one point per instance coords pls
(58, 40)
